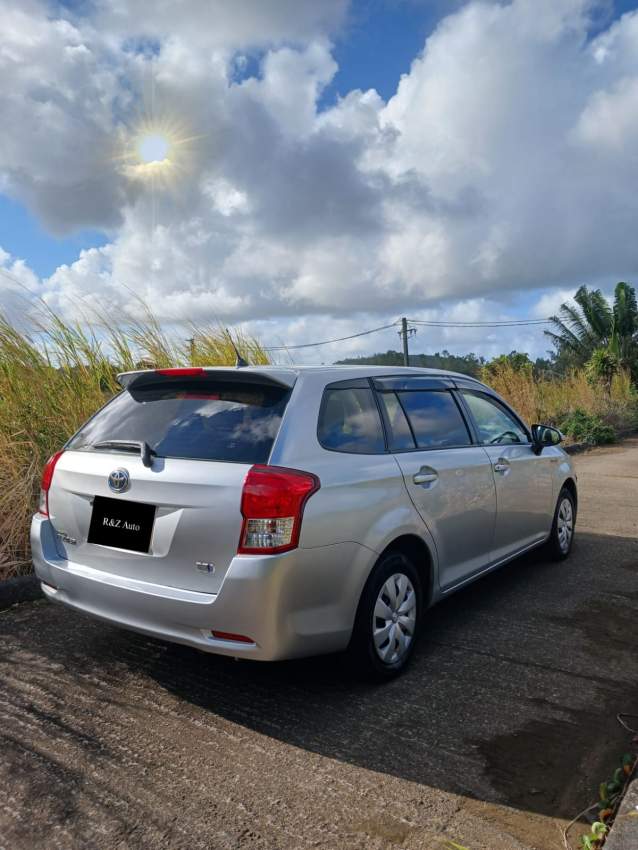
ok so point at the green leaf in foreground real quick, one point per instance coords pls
(598, 829)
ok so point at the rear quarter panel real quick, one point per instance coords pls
(362, 499)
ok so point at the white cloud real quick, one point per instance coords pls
(550, 303)
(504, 162)
(58, 101)
(205, 24)
(609, 122)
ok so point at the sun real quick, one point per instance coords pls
(153, 147)
(159, 151)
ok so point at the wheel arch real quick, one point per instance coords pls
(570, 485)
(418, 552)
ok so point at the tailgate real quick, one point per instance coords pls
(197, 516)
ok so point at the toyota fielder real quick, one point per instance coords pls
(270, 512)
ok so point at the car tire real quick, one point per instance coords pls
(387, 620)
(561, 538)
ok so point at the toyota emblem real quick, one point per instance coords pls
(119, 480)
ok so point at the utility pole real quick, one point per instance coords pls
(404, 333)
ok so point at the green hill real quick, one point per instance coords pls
(468, 364)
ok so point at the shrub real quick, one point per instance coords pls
(551, 399)
(586, 427)
(601, 368)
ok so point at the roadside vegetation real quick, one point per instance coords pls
(589, 387)
(586, 411)
(56, 374)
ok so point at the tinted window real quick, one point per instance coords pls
(495, 425)
(435, 418)
(208, 420)
(400, 435)
(349, 422)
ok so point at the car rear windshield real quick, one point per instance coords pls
(203, 420)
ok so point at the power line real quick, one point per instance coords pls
(497, 324)
(439, 324)
(329, 341)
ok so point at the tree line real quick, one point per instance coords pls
(589, 334)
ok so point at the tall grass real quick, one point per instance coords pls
(55, 376)
(550, 399)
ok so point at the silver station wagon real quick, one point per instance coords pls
(271, 512)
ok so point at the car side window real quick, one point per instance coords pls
(399, 431)
(496, 426)
(349, 421)
(435, 418)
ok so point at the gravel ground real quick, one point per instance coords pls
(497, 736)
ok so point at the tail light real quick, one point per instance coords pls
(272, 505)
(231, 636)
(45, 486)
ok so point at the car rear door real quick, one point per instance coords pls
(449, 479)
(176, 520)
(523, 479)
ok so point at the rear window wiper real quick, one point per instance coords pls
(146, 452)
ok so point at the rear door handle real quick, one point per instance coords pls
(426, 475)
(501, 465)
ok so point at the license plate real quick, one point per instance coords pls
(122, 524)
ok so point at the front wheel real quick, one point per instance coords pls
(560, 540)
(388, 618)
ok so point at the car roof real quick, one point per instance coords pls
(287, 375)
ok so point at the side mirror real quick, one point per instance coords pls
(545, 435)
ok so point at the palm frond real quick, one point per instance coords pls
(625, 310)
(596, 311)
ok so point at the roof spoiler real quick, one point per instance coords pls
(235, 375)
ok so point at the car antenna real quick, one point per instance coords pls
(239, 361)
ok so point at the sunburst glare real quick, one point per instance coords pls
(158, 150)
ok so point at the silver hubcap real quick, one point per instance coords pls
(565, 525)
(394, 618)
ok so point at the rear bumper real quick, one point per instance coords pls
(295, 604)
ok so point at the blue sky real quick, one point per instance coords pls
(305, 196)
(22, 235)
(380, 41)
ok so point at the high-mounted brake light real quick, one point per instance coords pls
(181, 371)
(272, 504)
(45, 485)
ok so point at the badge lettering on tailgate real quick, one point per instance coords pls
(117, 523)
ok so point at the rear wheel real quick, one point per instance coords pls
(561, 537)
(388, 618)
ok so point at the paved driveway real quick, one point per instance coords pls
(498, 735)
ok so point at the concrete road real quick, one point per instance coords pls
(498, 735)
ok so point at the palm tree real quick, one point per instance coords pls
(592, 324)
(625, 341)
